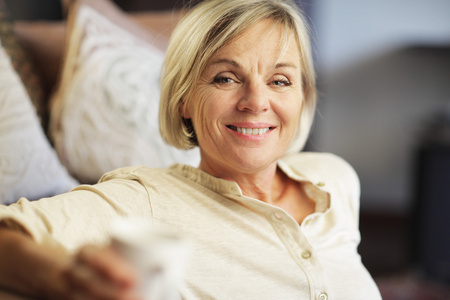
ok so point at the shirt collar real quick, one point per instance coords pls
(231, 189)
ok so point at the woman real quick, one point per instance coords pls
(266, 221)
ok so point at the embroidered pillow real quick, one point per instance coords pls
(105, 112)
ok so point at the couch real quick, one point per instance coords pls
(79, 97)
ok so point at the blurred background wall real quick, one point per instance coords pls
(384, 74)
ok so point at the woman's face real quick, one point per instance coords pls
(246, 107)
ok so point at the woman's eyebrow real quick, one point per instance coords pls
(235, 64)
(285, 65)
(225, 61)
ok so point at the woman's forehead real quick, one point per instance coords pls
(263, 41)
(266, 37)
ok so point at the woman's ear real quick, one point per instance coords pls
(184, 110)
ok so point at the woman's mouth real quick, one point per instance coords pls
(250, 131)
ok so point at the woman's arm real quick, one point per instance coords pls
(50, 273)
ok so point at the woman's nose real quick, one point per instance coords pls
(255, 98)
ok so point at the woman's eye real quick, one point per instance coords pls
(222, 80)
(281, 82)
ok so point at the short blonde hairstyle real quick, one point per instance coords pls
(201, 33)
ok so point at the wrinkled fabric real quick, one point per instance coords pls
(243, 248)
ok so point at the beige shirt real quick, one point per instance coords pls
(243, 248)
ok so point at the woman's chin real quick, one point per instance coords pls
(252, 163)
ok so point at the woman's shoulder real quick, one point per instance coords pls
(318, 163)
(331, 173)
(325, 169)
(148, 175)
(131, 173)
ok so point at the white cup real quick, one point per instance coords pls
(160, 258)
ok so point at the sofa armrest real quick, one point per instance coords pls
(44, 43)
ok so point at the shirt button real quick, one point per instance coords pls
(323, 296)
(308, 222)
(306, 254)
(277, 216)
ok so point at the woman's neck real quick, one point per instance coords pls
(266, 184)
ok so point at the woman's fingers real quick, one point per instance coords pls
(85, 284)
(99, 273)
(109, 264)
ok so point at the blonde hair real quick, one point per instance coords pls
(201, 33)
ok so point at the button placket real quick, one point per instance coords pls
(302, 252)
(295, 241)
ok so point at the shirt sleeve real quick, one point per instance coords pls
(80, 216)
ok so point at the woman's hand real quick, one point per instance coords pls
(49, 272)
(96, 273)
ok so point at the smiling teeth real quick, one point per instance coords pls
(252, 131)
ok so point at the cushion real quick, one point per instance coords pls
(104, 113)
(43, 41)
(29, 167)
